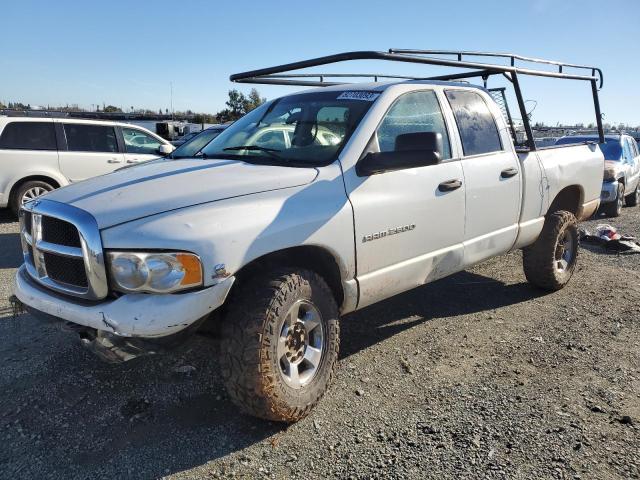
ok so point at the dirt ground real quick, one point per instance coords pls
(475, 376)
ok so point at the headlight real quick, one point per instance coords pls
(609, 172)
(154, 272)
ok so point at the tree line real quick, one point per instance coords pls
(237, 105)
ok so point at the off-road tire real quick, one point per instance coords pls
(249, 336)
(539, 259)
(614, 209)
(16, 199)
(633, 199)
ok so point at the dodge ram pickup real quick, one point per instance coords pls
(354, 193)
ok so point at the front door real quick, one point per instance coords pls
(91, 150)
(409, 224)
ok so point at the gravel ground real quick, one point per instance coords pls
(475, 376)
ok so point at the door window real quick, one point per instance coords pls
(476, 124)
(90, 138)
(627, 151)
(413, 112)
(136, 141)
(28, 136)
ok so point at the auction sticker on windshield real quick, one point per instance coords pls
(357, 95)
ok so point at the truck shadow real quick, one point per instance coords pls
(461, 294)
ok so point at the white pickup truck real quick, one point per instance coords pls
(356, 192)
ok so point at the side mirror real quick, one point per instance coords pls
(412, 150)
(165, 149)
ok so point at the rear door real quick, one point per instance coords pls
(408, 229)
(492, 177)
(90, 150)
(139, 146)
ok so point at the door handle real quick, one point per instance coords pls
(114, 160)
(449, 185)
(509, 172)
(135, 160)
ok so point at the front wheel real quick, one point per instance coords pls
(280, 342)
(549, 263)
(614, 209)
(633, 199)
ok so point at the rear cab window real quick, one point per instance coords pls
(28, 136)
(476, 124)
(90, 138)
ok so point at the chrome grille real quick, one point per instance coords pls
(62, 249)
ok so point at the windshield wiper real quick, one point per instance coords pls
(269, 151)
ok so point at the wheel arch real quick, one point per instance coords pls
(569, 199)
(311, 257)
(31, 178)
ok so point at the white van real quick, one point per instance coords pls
(38, 155)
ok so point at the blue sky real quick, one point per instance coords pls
(126, 53)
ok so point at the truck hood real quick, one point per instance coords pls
(163, 185)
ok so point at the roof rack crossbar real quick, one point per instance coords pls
(279, 74)
(595, 71)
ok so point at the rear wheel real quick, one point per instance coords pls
(280, 342)
(28, 191)
(549, 263)
(614, 209)
(633, 199)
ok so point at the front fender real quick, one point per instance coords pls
(236, 231)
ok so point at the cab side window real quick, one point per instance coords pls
(28, 136)
(90, 138)
(476, 125)
(627, 151)
(136, 141)
(413, 112)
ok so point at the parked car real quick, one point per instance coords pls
(312, 205)
(621, 180)
(38, 155)
(184, 138)
(195, 144)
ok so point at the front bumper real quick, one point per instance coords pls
(142, 316)
(609, 192)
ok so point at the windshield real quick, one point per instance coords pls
(193, 146)
(304, 130)
(611, 149)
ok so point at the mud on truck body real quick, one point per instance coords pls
(313, 205)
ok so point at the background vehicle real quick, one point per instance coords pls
(38, 155)
(621, 181)
(194, 145)
(185, 138)
(273, 244)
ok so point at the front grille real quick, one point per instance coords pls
(62, 249)
(27, 222)
(66, 270)
(60, 232)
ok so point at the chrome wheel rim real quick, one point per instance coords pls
(565, 252)
(300, 344)
(33, 193)
(620, 199)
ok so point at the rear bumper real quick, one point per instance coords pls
(142, 316)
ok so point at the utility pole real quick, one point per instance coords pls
(171, 96)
